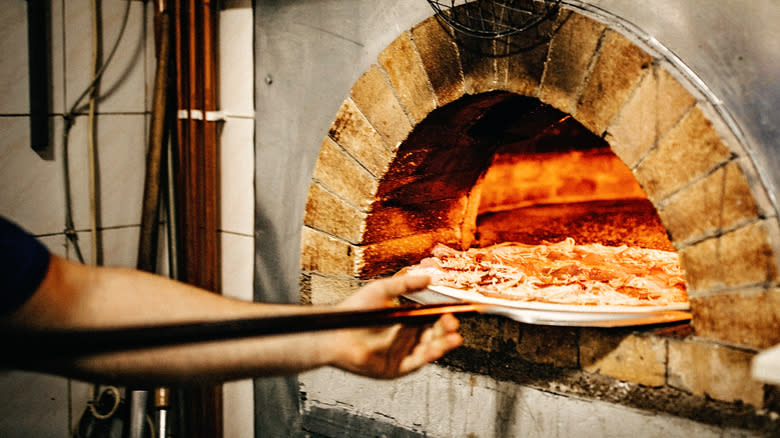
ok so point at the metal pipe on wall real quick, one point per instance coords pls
(150, 212)
(196, 196)
(147, 248)
(208, 63)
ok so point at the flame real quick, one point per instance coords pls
(588, 195)
(520, 180)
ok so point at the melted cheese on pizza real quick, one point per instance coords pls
(561, 273)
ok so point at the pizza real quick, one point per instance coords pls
(561, 273)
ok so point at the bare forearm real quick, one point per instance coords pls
(77, 296)
(74, 296)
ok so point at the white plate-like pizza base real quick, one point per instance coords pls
(476, 297)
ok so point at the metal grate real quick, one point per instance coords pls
(490, 19)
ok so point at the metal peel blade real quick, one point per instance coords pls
(561, 318)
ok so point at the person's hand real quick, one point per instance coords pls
(397, 350)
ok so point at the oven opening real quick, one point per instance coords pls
(523, 179)
(564, 183)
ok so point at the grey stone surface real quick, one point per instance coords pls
(443, 403)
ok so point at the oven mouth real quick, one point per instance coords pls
(550, 220)
(502, 169)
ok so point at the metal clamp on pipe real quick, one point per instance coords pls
(196, 114)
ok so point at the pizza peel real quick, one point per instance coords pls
(45, 345)
(601, 318)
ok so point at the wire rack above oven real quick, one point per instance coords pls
(490, 19)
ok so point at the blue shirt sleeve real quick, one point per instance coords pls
(24, 262)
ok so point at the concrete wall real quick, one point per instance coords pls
(440, 402)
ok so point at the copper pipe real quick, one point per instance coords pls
(212, 396)
(197, 178)
(210, 145)
(192, 145)
(182, 134)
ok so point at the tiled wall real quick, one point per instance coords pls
(32, 188)
(236, 70)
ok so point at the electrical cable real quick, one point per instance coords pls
(103, 415)
(117, 399)
(69, 118)
(70, 232)
(99, 74)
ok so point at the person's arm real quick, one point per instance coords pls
(78, 296)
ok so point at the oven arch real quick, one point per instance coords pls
(693, 168)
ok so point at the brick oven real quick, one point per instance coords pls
(591, 134)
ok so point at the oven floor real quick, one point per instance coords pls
(613, 223)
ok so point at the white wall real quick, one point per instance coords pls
(237, 205)
(32, 191)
